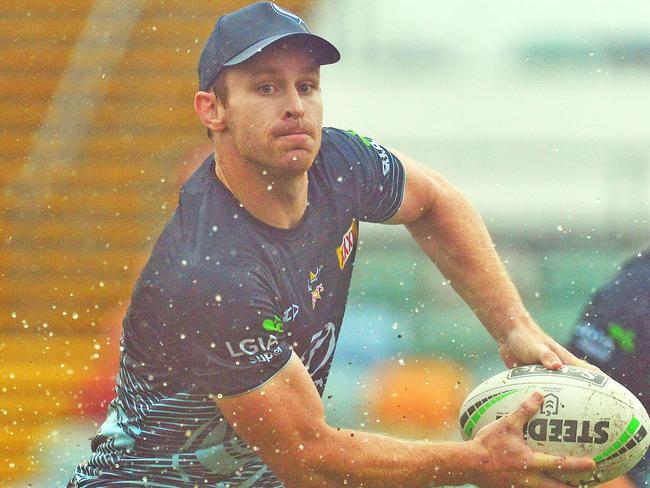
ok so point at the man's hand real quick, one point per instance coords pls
(506, 460)
(528, 344)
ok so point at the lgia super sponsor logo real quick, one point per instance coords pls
(257, 350)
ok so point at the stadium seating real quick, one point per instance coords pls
(74, 233)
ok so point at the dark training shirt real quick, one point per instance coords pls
(614, 334)
(219, 307)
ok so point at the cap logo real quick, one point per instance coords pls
(289, 15)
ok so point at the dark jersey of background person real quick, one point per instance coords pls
(614, 334)
(219, 307)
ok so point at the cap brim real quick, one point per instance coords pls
(324, 51)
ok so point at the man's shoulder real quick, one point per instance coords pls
(343, 150)
(200, 178)
(345, 141)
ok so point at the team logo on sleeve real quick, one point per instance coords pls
(381, 152)
(344, 251)
(273, 325)
(313, 287)
(276, 324)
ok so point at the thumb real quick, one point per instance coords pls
(526, 410)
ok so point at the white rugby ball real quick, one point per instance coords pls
(585, 413)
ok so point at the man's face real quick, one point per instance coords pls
(275, 113)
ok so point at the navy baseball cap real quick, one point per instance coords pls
(239, 35)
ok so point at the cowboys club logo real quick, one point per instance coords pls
(313, 288)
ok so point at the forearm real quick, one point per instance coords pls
(456, 239)
(351, 458)
(283, 421)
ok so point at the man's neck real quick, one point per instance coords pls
(277, 200)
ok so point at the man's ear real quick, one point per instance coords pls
(210, 110)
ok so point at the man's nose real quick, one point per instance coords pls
(294, 108)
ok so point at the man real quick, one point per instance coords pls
(232, 326)
(614, 334)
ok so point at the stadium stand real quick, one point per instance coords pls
(74, 233)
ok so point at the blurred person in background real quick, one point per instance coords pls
(233, 324)
(614, 334)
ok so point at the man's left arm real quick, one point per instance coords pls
(452, 233)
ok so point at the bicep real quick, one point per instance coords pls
(281, 420)
(422, 187)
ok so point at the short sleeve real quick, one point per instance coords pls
(377, 175)
(238, 341)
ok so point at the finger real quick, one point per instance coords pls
(576, 361)
(569, 358)
(526, 410)
(550, 360)
(582, 364)
(548, 462)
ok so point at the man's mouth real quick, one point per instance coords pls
(298, 134)
(297, 139)
(293, 131)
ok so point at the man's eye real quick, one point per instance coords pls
(266, 89)
(306, 88)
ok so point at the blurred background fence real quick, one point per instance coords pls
(539, 111)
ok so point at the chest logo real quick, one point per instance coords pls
(344, 251)
(314, 287)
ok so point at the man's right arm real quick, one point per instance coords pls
(620, 482)
(284, 422)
